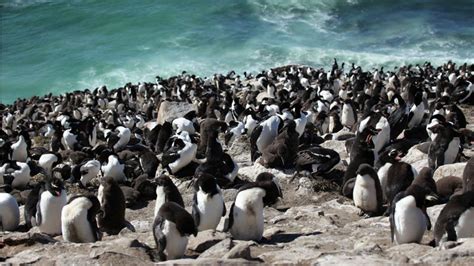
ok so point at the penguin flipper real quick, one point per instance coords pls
(450, 229)
(428, 221)
(195, 211)
(38, 213)
(224, 210)
(231, 217)
(253, 142)
(160, 238)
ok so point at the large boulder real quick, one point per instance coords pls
(455, 169)
(170, 110)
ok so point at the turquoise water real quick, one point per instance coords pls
(57, 46)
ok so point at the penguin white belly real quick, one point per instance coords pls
(301, 124)
(210, 210)
(175, 243)
(187, 154)
(74, 224)
(452, 151)
(250, 124)
(410, 222)
(266, 137)
(92, 168)
(382, 174)
(383, 137)
(248, 215)
(365, 195)
(51, 207)
(465, 226)
(347, 117)
(417, 117)
(22, 176)
(69, 139)
(100, 195)
(160, 198)
(114, 170)
(9, 212)
(19, 152)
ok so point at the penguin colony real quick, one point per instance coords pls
(78, 160)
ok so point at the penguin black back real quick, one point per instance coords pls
(111, 217)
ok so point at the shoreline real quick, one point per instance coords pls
(312, 223)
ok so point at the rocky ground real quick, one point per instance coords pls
(311, 224)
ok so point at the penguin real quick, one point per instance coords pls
(165, 132)
(408, 217)
(171, 228)
(361, 152)
(235, 130)
(316, 160)
(468, 176)
(455, 219)
(124, 135)
(246, 219)
(111, 218)
(415, 116)
(263, 135)
(349, 114)
(218, 163)
(114, 168)
(367, 194)
(9, 212)
(185, 123)
(19, 151)
(149, 163)
(425, 179)
(69, 139)
(16, 174)
(44, 204)
(166, 191)
(48, 161)
(448, 186)
(400, 176)
(78, 219)
(283, 149)
(181, 152)
(445, 147)
(88, 171)
(208, 203)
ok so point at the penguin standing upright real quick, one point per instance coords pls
(166, 191)
(246, 219)
(455, 219)
(171, 228)
(9, 212)
(367, 193)
(445, 147)
(78, 219)
(44, 204)
(111, 218)
(361, 152)
(415, 116)
(348, 114)
(408, 217)
(208, 203)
